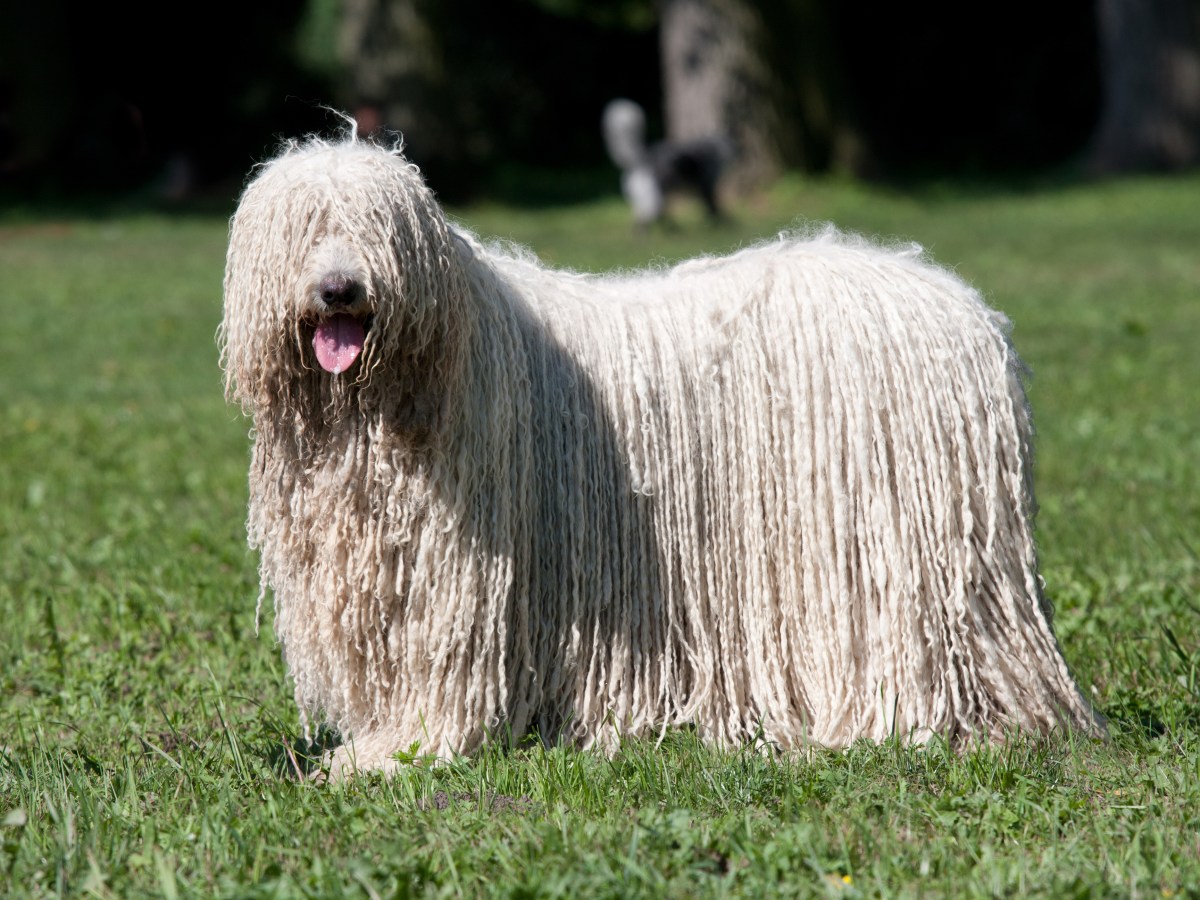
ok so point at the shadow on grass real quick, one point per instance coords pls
(298, 758)
(1170, 702)
(1152, 717)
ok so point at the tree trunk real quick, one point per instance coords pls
(1150, 55)
(764, 75)
(716, 84)
(401, 76)
(393, 66)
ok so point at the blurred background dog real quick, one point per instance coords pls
(649, 174)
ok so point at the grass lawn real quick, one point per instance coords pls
(145, 721)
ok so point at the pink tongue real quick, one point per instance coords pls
(338, 341)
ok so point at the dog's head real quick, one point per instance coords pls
(341, 286)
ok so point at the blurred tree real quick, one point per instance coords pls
(765, 75)
(101, 98)
(1150, 56)
(396, 77)
(473, 85)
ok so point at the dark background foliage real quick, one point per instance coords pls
(953, 86)
(102, 98)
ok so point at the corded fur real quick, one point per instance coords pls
(784, 494)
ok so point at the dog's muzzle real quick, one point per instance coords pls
(339, 335)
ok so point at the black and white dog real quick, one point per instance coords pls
(650, 173)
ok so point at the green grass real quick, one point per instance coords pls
(145, 723)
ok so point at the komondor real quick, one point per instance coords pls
(780, 496)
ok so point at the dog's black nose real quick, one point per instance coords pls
(339, 290)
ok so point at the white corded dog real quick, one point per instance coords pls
(783, 495)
